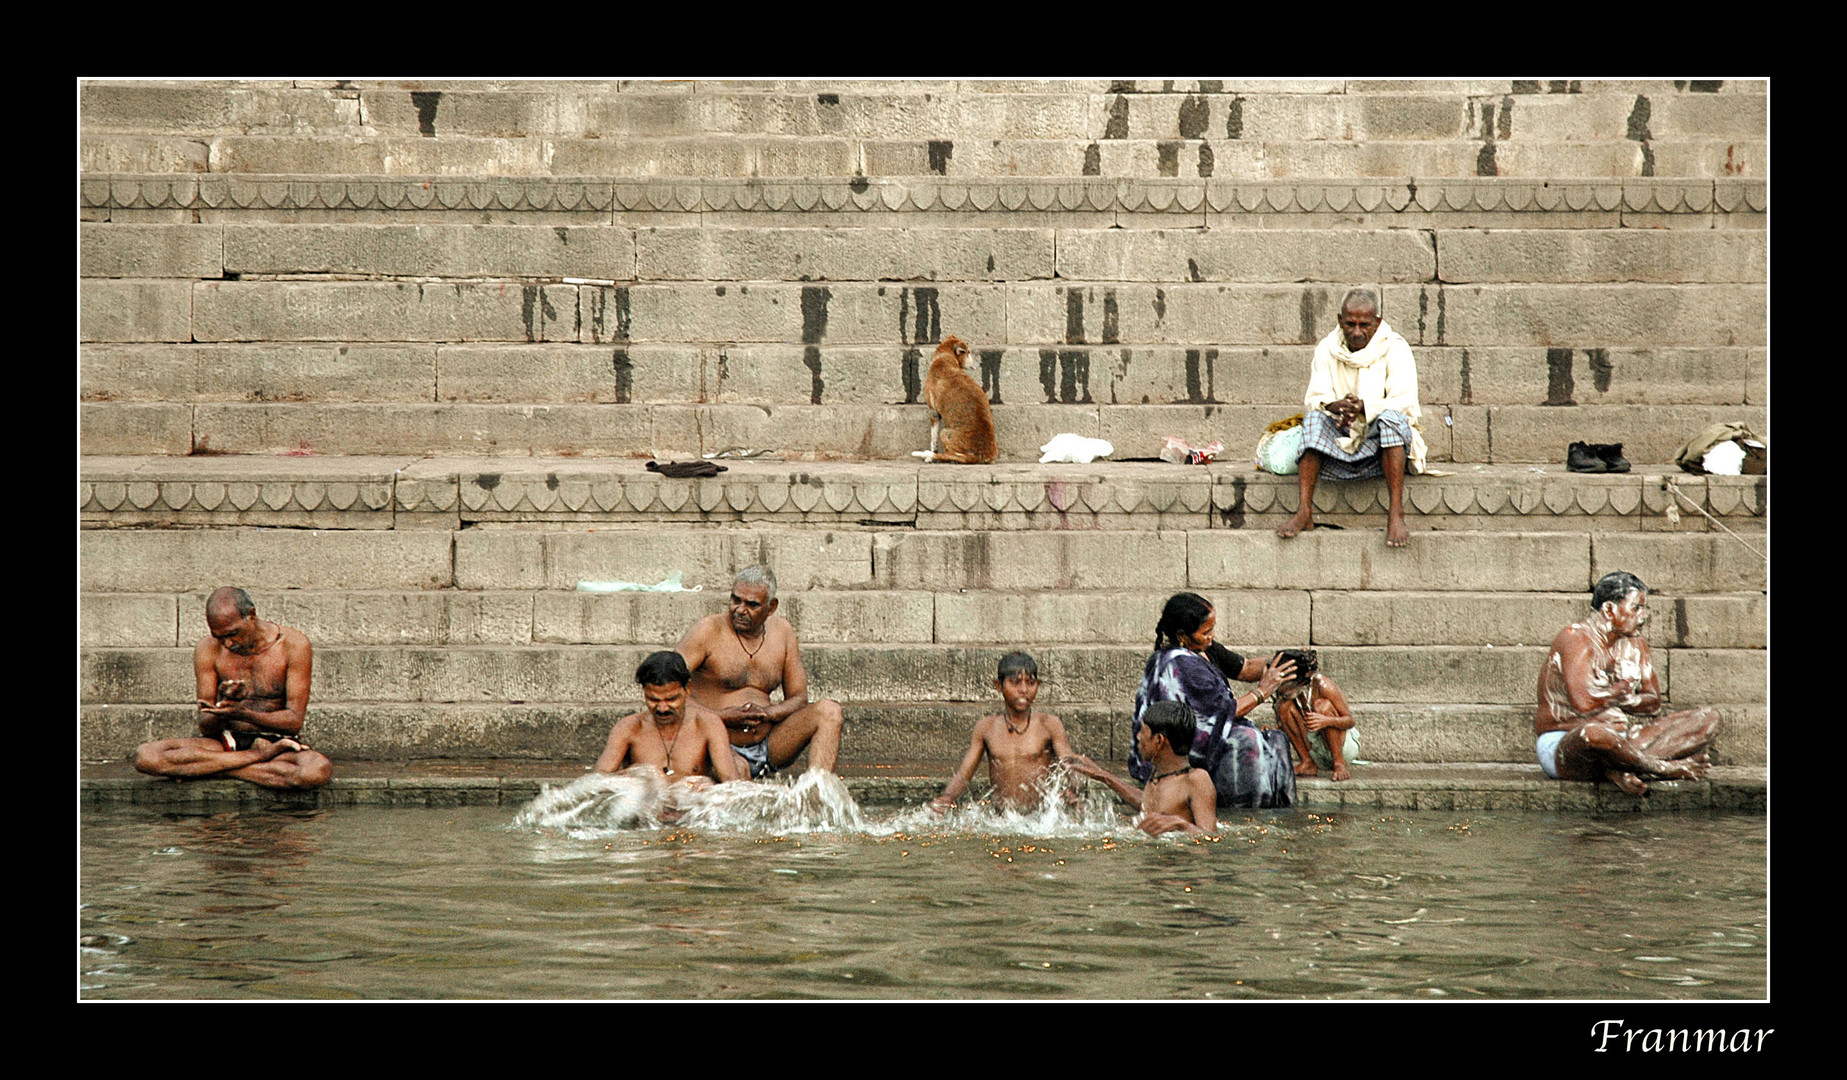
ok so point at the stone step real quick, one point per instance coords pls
(1556, 199)
(824, 254)
(1478, 110)
(586, 674)
(555, 373)
(1458, 434)
(934, 734)
(1455, 787)
(1603, 315)
(407, 495)
(1322, 617)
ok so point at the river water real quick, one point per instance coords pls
(790, 891)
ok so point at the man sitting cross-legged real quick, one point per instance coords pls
(1599, 700)
(738, 659)
(252, 679)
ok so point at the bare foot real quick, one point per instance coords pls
(1629, 782)
(1693, 768)
(1396, 534)
(1340, 771)
(1307, 768)
(273, 748)
(1303, 519)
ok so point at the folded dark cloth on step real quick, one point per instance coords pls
(680, 470)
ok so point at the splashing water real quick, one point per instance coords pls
(815, 801)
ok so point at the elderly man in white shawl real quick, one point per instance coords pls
(1361, 413)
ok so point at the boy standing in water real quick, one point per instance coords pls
(1178, 797)
(1021, 745)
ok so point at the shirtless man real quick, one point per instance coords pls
(671, 733)
(1021, 744)
(252, 679)
(738, 659)
(1178, 796)
(1598, 676)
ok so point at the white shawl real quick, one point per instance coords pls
(1383, 375)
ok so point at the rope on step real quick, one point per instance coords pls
(1673, 515)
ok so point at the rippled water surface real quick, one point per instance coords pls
(790, 891)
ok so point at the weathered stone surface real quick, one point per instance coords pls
(1505, 618)
(133, 620)
(1648, 433)
(212, 107)
(941, 561)
(398, 428)
(399, 618)
(142, 154)
(1580, 316)
(383, 311)
(1698, 677)
(663, 619)
(270, 371)
(851, 313)
(1244, 255)
(126, 310)
(134, 428)
(727, 254)
(150, 251)
(877, 432)
(1619, 255)
(562, 372)
(1680, 563)
(176, 560)
(462, 251)
(1535, 375)
(1177, 314)
(1256, 559)
(706, 559)
(1003, 617)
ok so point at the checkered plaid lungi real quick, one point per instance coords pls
(1389, 428)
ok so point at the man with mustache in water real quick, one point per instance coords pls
(252, 679)
(1598, 700)
(686, 742)
(742, 656)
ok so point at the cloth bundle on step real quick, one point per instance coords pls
(680, 470)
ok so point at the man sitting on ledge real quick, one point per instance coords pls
(252, 680)
(740, 657)
(1598, 676)
(1360, 414)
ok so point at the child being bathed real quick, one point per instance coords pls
(1021, 745)
(1178, 796)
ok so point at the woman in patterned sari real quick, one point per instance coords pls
(1249, 766)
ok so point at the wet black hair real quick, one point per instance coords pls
(1016, 663)
(663, 669)
(1307, 661)
(1184, 613)
(1174, 721)
(1614, 586)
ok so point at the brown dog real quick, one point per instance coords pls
(962, 424)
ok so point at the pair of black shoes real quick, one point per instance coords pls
(1595, 458)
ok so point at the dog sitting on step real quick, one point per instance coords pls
(961, 423)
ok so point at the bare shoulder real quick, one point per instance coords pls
(1051, 720)
(1199, 782)
(294, 640)
(1573, 637)
(782, 628)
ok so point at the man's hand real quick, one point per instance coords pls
(746, 717)
(1083, 766)
(940, 805)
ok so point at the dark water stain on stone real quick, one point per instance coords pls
(1074, 376)
(827, 99)
(1232, 516)
(1199, 391)
(426, 102)
(1234, 117)
(1506, 129)
(1192, 270)
(1194, 115)
(547, 312)
(551, 481)
(814, 328)
(625, 376)
(1423, 310)
(1468, 391)
(1160, 306)
(1484, 161)
(941, 150)
(1680, 620)
(1600, 368)
(1638, 130)
(528, 300)
(1048, 374)
(858, 185)
(990, 374)
(1705, 86)
(928, 316)
(1310, 311)
(1167, 158)
(1440, 340)
(1112, 320)
(1074, 316)
(487, 481)
(1211, 86)
(1118, 125)
(1559, 385)
(1205, 161)
(908, 370)
(1093, 160)
(990, 263)
(1526, 86)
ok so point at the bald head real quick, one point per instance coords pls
(229, 602)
